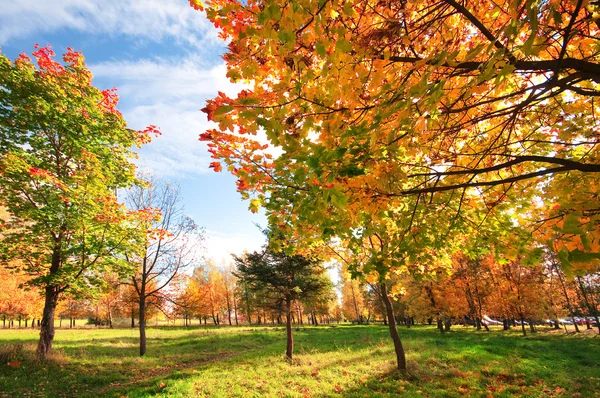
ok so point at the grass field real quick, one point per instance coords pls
(337, 361)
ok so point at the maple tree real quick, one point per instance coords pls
(171, 242)
(64, 151)
(439, 109)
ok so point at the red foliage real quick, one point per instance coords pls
(110, 100)
(45, 62)
(216, 166)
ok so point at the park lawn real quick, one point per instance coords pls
(336, 361)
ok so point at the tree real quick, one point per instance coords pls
(489, 102)
(284, 278)
(399, 122)
(170, 245)
(64, 150)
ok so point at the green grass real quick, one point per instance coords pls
(338, 361)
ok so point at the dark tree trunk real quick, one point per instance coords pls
(440, 325)
(228, 309)
(289, 351)
(591, 308)
(142, 323)
(564, 289)
(400, 356)
(487, 329)
(47, 324)
(523, 326)
(132, 318)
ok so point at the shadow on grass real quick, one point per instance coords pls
(462, 362)
(467, 363)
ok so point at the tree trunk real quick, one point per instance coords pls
(564, 289)
(289, 351)
(228, 309)
(235, 309)
(447, 324)
(523, 326)
(440, 325)
(132, 318)
(47, 325)
(142, 324)
(110, 323)
(592, 308)
(358, 317)
(400, 356)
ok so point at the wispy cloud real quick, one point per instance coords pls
(154, 20)
(169, 94)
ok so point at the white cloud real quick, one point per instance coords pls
(168, 94)
(154, 20)
(220, 246)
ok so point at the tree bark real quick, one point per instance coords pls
(142, 324)
(289, 351)
(228, 308)
(47, 325)
(564, 289)
(591, 308)
(400, 356)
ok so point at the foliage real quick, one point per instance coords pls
(64, 150)
(408, 119)
(282, 277)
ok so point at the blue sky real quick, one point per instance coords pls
(165, 60)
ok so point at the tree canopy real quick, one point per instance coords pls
(379, 106)
(64, 151)
(283, 279)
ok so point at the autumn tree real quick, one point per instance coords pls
(352, 300)
(171, 243)
(387, 114)
(284, 278)
(64, 150)
(448, 97)
(72, 308)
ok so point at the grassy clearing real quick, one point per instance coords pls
(343, 361)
